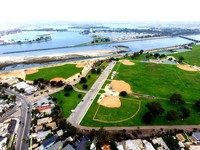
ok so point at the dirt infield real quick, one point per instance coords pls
(111, 102)
(13, 74)
(31, 71)
(119, 86)
(80, 65)
(58, 79)
(127, 62)
(187, 68)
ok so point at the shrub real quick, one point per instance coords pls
(123, 93)
(85, 86)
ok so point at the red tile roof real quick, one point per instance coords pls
(41, 108)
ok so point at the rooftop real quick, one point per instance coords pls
(42, 108)
(49, 141)
(52, 125)
(44, 120)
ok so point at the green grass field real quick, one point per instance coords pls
(92, 79)
(68, 103)
(159, 80)
(191, 57)
(64, 71)
(105, 114)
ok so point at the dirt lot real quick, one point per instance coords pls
(187, 68)
(127, 62)
(31, 71)
(119, 86)
(80, 65)
(13, 74)
(111, 102)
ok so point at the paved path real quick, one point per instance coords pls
(8, 113)
(166, 127)
(78, 90)
(81, 109)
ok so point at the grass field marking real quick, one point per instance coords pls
(118, 66)
(103, 121)
(180, 78)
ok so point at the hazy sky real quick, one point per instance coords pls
(99, 10)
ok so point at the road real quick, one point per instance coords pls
(81, 109)
(8, 113)
(25, 122)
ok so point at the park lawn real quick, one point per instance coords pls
(67, 103)
(64, 71)
(191, 57)
(93, 77)
(128, 109)
(137, 120)
(160, 80)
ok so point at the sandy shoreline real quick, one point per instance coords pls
(11, 60)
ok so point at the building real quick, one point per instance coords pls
(56, 146)
(68, 147)
(49, 142)
(42, 134)
(44, 120)
(3, 141)
(44, 109)
(160, 142)
(3, 129)
(52, 125)
(59, 132)
(38, 128)
(180, 137)
(196, 135)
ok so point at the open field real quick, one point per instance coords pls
(159, 80)
(64, 71)
(191, 57)
(93, 77)
(67, 103)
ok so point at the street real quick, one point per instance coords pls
(25, 122)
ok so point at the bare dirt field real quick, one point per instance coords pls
(127, 62)
(111, 102)
(187, 68)
(119, 86)
(58, 79)
(31, 71)
(80, 65)
(13, 74)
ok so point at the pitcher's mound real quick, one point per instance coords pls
(187, 68)
(111, 102)
(127, 62)
(57, 79)
(31, 71)
(80, 65)
(119, 86)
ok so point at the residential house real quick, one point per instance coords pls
(59, 132)
(52, 125)
(68, 147)
(3, 141)
(44, 120)
(44, 109)
(196, 135)
(49, 142)
(57, 146)
(42, 134)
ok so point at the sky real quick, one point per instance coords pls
(101, 10)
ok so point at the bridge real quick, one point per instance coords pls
(191, 39)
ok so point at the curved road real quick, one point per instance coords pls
(25, 122)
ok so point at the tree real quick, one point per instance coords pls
(155, 108)
(49, 136)
(42, 87)
(68, 87)
(123, 93)
(67, 94)
(83, 80)
(185, 112)
(147, 56)
(98, 70)
(156, 55)
(141, 51)
(85, 86)
(172, 115)
(197, 105)
(79, 95)
(135, 54)
(147, 118)
(180, 59)
(93, 70)
(177, 98)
